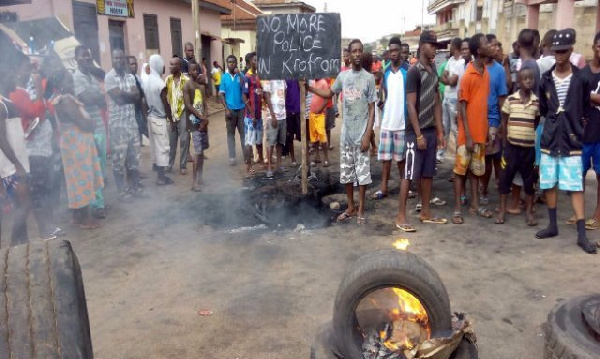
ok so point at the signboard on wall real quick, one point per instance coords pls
(304, 46)
(115, 8)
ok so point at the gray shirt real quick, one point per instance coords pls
(425, 85)
(120, 116)
(87, 83)
(358, 91)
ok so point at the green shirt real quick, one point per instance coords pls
(442, 86)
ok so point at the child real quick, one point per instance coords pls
(520, 118)
(561, 166)
(276, 126)
(194, 96)
(316, 122)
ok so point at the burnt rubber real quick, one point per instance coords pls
(388, 269)
(566, 333)
(43, 313)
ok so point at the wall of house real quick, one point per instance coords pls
(135, 42)
(249, 44)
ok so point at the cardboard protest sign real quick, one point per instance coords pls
(300, 46)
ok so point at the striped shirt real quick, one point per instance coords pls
(521, 119)
(562, 87)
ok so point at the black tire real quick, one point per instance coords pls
(566, 334)
(43, 312)
(388, 269)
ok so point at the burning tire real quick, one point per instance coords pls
(573, 329)
(42, 303)
(398, 270)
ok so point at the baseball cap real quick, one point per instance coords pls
(563, 40)
(428, 37)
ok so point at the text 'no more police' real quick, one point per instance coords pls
(298, 45)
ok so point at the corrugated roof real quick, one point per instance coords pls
(240, 10)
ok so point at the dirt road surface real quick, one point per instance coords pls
(161, 259)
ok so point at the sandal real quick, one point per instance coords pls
(434, 220)
(437, 202)
(361, 221)
(571, 221)
(345, 216)
(412, 194)
(499, 220)
(325, 163)
(592, 224)
(406, 228)
(418, 207)
(457, 218)
(531, 222)
(484, 201)
(482, 212)
(379, 195)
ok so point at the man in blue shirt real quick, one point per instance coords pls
(498, 93)
(231, 97)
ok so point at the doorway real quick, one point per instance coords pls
(85, 23)
(116, 35)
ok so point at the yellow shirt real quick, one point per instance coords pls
(216, 76)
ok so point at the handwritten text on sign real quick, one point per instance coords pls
(298, 45)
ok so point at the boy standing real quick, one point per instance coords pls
(472, 128)
(194, 95)
(358, 87)
(316, 122)
(231, 98)
(424, 132)
(253, 123)
(276, 128)
(520, 118)
(561, 165)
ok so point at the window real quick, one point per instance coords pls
(151, 32)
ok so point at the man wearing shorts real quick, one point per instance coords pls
(561, 144)
(276, 125)
(253, 123)
(424, 131)
(317, 127)
(472, 128)
(194, 95)
(358, 88)
(393, 121)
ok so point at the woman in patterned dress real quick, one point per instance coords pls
(80, 158)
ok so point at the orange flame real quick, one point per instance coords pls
(401, 244)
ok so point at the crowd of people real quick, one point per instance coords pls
(530, 118)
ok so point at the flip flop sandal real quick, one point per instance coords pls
(531, 223)
(412, 194)
(345, 216)
(499, 221)
(483, 200)
(379, 195)
(418, 207)
(482, 212)
(361, 221)
(457, 218)
(571, 221)
(592, 224)
(326, 164)
(434, 220)
(406, 228)
(437, 202)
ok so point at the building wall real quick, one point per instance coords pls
(135, 42)
(249, 45)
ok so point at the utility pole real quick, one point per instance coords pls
(197, 38)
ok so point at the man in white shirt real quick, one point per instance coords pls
(450, 79)
(393, 121)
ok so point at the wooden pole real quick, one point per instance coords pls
(303, 137)
(197, 36)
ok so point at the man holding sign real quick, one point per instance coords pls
(358, 88)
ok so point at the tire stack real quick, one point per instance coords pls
(43, 313)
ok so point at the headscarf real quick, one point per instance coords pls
(143, 75)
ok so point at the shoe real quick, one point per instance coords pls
(99, 213)
(57, 232)
(124, 196)
(232, 161)
(183, 171)
(270, 174)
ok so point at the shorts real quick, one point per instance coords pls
(355, 166)
(591, 157)
(253, 133)
(392, 145)
(200, 140)
(494, 147)
(566, 171)
(517, 159)
(420, 163)
(316, 127)
(329, 118)
(473, 161)
(277, 135)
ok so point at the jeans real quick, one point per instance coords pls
(233, 122)
(100, 139)
(448, 121)
(179, 131)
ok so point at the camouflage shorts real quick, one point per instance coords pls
(355, 166)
